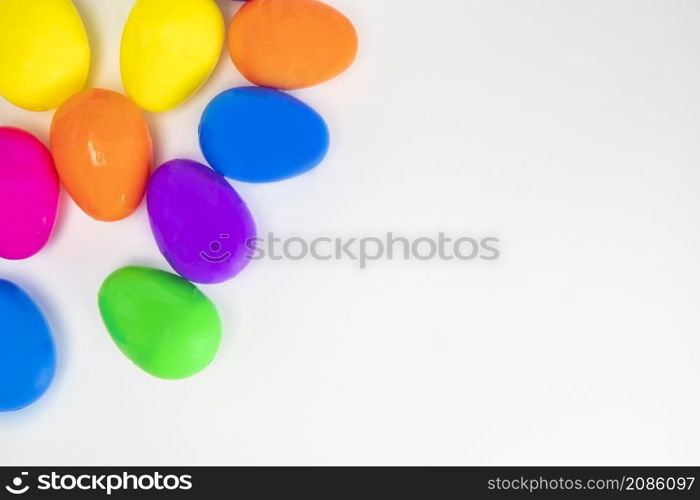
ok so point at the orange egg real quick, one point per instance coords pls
(102, 149)
(290, 44)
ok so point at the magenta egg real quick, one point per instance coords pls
(29, 192)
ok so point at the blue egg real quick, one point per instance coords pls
(27, 353)
(257, 134)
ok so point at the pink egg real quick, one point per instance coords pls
(29, 192)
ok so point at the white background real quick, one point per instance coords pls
(570, 129)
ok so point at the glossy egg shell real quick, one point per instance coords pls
(201, 225)
(290, 44)
(169, 49)
(29, 194)
(256, 134)
(101, 145)
(44, 52)
(161, 322)
(27, 351)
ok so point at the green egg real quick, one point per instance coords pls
(161, 322)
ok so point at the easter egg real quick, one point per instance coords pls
(160, 321)
(201, 225)
(102, 149)
(27, 353)
(256, 134)
(169, 49)
(44, 52)
(290, 44)
(29, 192)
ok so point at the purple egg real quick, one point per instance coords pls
(201, 225)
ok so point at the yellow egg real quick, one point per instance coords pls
(169, 49)
(44, 52)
